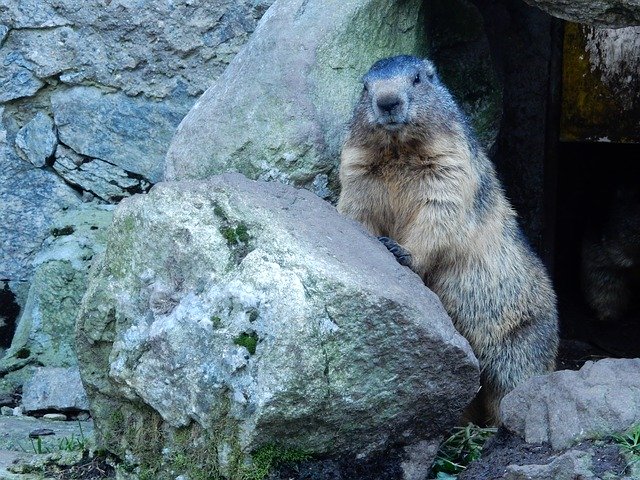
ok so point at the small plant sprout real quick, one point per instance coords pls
(459, 450)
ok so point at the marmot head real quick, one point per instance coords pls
(403, 94)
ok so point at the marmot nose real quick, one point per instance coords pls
(388, 103)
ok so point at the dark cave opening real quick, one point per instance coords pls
(9, 311)
(597, 249)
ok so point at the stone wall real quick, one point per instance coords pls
(90, 95)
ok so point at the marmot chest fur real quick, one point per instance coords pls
(412, 171)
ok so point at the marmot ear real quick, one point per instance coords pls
(430, 70)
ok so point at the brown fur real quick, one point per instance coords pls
(426, 185)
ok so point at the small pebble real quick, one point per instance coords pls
(55, 416)
(18, 411)
(6, 411)
(41, 432)
(83, 416)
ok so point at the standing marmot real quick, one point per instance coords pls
(412, 171)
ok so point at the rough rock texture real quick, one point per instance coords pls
(601, 13)
(615, 53)
(97, 177)
(129, 132)
(44, 333)
(37, 140)
(57, 389)
(301, 71)
(600, 82)
(565, 407)
(31, 198)
(279, 110)
(116, 77)
(249, 313)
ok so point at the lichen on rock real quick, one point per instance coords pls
(295, 343)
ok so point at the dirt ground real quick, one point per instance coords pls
(506, 449)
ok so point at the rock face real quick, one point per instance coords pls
(243, 313)
(600, 13)
(567, 406)
(57, 389)
(112, 80)
(279, 110)
(44, 333)
(37, 140)
(31, 198)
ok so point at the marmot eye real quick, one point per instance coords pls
(416, 79)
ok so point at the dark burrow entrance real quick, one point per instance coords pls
(597, 247)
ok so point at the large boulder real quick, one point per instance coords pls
(228, 315)
(600, 13)
(279, 110)
(564, 407)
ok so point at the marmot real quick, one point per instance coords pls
(413, 174)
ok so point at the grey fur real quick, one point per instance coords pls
(415, 173)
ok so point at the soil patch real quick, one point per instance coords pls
(506, 449)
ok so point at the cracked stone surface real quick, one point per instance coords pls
(31, 198)
(102, 179)
(194, 270)
(117, 79)
(37, 140)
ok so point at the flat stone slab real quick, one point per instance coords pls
(14, 432)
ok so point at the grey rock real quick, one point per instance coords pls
(6, 411)
(54, 389)
(194, 270)
(56, 417)
(100, 43)
(4, 31)
(17, 430)
(31, 198)
(97, 177)
(280, 113)
(37, 140)
(571, 465)
(565, 407)
(30, 14)
(16, 78)
(44, 332)
(99, 125)
(47, 46)
(601, 13)
(418, 460)
(50, 51)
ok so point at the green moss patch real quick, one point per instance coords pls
(248, 341)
